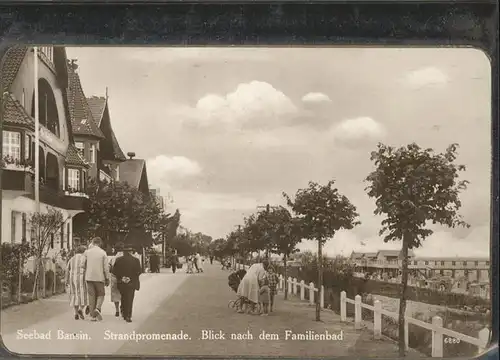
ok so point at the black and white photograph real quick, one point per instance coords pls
(246, 201)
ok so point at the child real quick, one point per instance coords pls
(273, 280)
(264, 297)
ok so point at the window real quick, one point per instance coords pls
(465, 263)
(74, 179)
(81, 148)
(487, 263)
(435, 263)
(426, 263)
(453, 263)
(12, 144)
(92, 154)
(48, 51)
(415, 263)
(442, 263)
(64, 178)
(52, 240)
(32, 235)
(476, 263)
(27, 147)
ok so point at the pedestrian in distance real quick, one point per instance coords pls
(195, 258)
(115, 293)
(75, 281)
(202, 263)
(211, 259)
(127, 270)
(174, 261)
(97, 277)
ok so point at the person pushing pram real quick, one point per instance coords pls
(234, 282)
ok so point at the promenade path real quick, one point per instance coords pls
(169, 304)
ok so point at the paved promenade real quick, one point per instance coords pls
(171, 304)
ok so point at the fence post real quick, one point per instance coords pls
(407, 331)
(311, 293)
(322, 297)
(289, 281)
(302, 290)
(484, 338)
(343, 306)
(281, 282)
(377, 319)
(294, 286)
(437, 337)
(357, 312)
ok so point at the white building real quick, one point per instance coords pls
(62, 169)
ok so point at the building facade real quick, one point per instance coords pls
(389, 261)
(62, 169)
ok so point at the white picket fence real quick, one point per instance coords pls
(299, 288)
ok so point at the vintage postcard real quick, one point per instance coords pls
(250, 201)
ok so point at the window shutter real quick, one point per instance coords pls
(13, 227)
(24, 234)
(62, 236)
(67, 235)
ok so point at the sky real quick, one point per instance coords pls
(225, 130)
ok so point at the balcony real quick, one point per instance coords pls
(16, 181)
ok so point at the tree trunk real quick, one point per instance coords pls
(163, 250)
(402, 299)
(320, 280)
(34, 294)
(286, 282)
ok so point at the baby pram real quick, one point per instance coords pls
(234, 281)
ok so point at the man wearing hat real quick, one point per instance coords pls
(127, 269)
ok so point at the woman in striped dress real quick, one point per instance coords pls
(75, 281)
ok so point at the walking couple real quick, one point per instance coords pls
(88, 273)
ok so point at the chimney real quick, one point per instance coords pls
(72, 64)
(131, 155)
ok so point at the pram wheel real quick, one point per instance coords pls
(231, 304)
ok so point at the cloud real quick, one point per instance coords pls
(361, 128)
(440, 244)
(429, 76)
(162, 169)
(253, 103)
(315, 97)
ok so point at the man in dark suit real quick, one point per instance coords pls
(127, 269)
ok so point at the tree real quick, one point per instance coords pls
(116, 207)
(45, 226)
(412, 188)
(281, 233)
(323, 211)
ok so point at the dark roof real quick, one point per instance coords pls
(117, 151)
(82, 121)
(394, 253)
(131, 171)
(74, 158)
(356, 255)
(97, 105)
(15, 114)
(11, 64)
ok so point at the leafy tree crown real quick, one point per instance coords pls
(413, 186)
